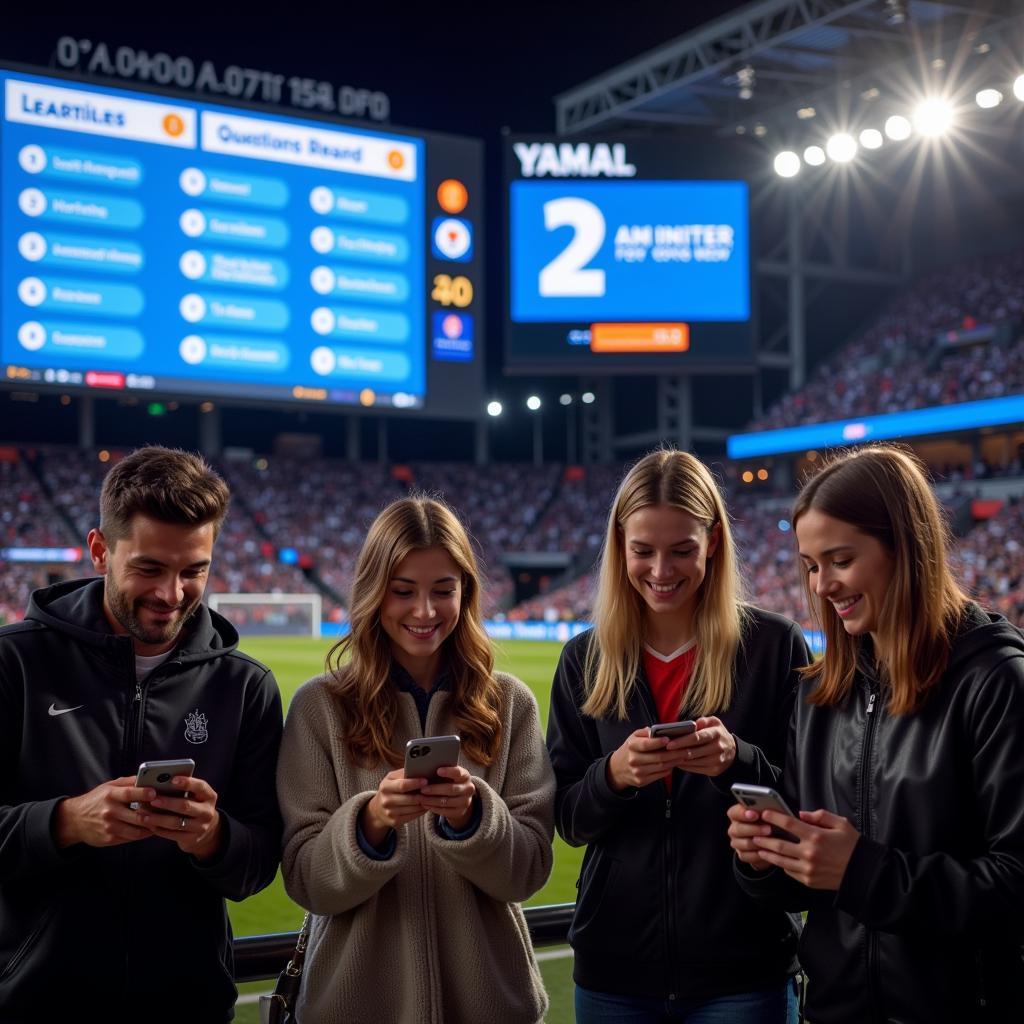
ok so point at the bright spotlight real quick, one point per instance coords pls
(533, 403)
(787, 164)
(897, 128)
(814, 155)
(565, 399)
(1018, 87)
(587, 397)
(841, 147)
(933, 117)
(494, 408)
(988, 98)
(871, 138)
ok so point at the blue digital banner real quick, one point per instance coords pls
(209, 249)
(629, 250)
(940, 419)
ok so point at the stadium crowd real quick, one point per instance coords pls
(881, 371)
(314, 515)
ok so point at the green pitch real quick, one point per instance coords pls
(296, 659)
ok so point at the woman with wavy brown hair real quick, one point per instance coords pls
(904, 767)
(414, 886)
(661, 931)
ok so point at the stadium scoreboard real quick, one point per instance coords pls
(618, 260)
(162, 244)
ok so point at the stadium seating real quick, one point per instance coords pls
(870, 374)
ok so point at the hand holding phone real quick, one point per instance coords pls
(643, 757)
(763, 798)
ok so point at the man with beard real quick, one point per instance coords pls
(112, 896)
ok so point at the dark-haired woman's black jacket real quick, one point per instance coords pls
(928, 923)
(659, 912)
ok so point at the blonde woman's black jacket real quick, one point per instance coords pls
(136, 932)
(928, 923)
(659, 912)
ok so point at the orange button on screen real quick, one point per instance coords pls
(639, 337)
(173, 125)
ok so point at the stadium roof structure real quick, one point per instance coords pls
(763, 62)
(785, 72)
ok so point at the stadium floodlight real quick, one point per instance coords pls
(1018, 87)
(897, 128)
(841, 147)
(814, 155)
(565, 399)
(787, 164)
(587, 397)
(988, 98)
(871, 138)
(933, 117)
(896, 12)
(746, 78)
(533, 403)
(494, 408)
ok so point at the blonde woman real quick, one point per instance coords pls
(905, 767)
(415, 887)
(662, 931)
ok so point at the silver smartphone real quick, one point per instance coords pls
(158, 774)
(673, 730)
(763, 798)
(424, 756)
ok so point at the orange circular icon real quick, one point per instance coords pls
(396, 160)
(173, 125)
(452, 195)
(367, 396)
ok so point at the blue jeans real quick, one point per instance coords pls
(776, 1005)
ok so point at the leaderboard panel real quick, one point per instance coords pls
(155, 243)
(621, 259)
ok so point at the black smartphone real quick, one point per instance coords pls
(673, 730)
(762, 798)
(424, 756)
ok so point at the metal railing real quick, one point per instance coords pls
(261, 957)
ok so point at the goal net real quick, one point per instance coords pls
(270, 614)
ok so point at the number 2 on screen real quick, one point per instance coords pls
(564, 275)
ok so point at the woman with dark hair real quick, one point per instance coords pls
(904, 767)
(661, 931)
(414, 886)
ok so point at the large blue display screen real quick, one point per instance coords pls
(638, 250)
(152, 242)
(625, 255)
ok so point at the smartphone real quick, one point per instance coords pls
(762, 798)
(673, 730)
(424, 756)
(158, 774)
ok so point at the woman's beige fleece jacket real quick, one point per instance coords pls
(434, 934)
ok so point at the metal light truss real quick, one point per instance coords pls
(701, 56)
(781, 40)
